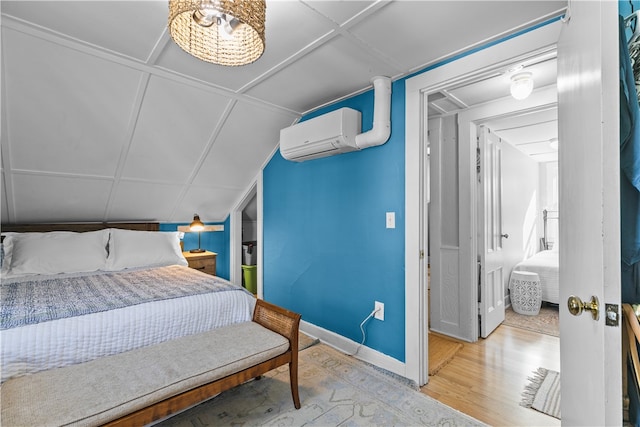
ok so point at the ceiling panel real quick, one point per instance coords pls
(526, 119)
(548, 157)
(445, 105)
(249, 135)
(534, 148)
(339, 11)
(415, 33)
(131, 28)
(333, 70)
(176, 123)
(60, 119)
(59, 198)
(536, 132)
(144, 200)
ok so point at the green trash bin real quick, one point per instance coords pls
(250, 278)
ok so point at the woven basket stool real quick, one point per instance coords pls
(526, 292)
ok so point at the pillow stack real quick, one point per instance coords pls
(111, 249)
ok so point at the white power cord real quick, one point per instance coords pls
(364, 335)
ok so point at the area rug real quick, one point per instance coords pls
(335, 389)
(441, 351)
(543, 392)
(547, 322)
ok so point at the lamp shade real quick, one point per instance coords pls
(196, 224)
(225, 32)
(521, 85)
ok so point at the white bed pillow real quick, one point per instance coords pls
(130, 248)
(54, 253)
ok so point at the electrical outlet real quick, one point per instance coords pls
(380, 313)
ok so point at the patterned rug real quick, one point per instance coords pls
(543, 392)
(335, 389)
(547, 322)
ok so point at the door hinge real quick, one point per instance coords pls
(478, 169)
(421, 254)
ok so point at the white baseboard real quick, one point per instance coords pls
(348, 346)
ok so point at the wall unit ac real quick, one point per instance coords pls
(322, 136)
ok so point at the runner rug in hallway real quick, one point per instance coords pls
(543, 392)
(335, 389)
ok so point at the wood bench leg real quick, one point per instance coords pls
(293, 380)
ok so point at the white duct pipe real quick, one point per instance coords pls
(381, 130)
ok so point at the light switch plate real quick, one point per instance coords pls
(391, 220)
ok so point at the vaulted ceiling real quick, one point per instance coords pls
(104, 118)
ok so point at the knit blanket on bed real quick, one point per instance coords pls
(34, 301)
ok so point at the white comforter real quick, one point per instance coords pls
(547, 265)
(71, 340)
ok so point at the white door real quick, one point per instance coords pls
(589, 211)
(492, 272)
(446, 291)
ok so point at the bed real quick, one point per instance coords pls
(70, 297)
(546, 263)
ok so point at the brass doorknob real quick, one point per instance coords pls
(576, 306)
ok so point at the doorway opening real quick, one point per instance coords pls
(246, 240)
(589, 200)
(457, 271)
(511, 184)
(496, 158)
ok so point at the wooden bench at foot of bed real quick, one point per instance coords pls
(150, 383)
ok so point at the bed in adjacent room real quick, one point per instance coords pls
(71, 297)
(546, 263)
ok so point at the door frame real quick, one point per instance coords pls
(465, 69)
(471, 118)
(235, 234)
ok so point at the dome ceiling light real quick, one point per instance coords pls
(521, 85)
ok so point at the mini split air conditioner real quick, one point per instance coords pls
(322, 136)
(339, 131)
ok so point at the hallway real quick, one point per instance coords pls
(486, 379)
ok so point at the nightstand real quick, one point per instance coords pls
(203, 261)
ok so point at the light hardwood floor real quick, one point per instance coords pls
(485, 379)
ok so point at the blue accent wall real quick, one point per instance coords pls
(327, 251)
(214, 241)
(627, 7)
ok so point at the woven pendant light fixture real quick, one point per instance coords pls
(225, 32)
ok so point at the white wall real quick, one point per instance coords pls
(520, 209)
(549, 197)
